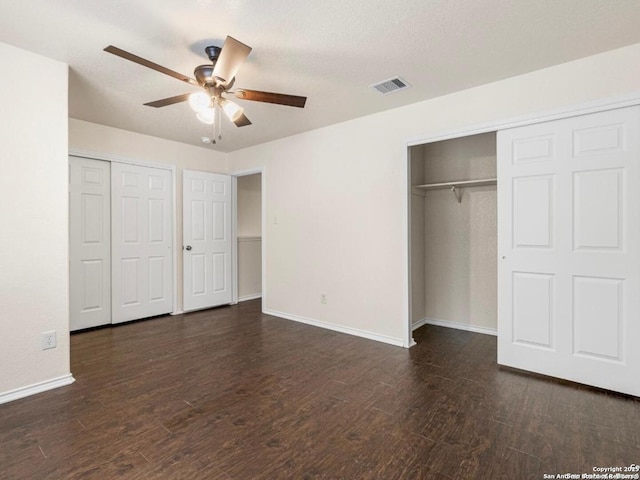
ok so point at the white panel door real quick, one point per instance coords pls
(569, 247)
(207, 245)
(142, 245)
(89, 243)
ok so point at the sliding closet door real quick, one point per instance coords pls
(89, 243)
(569, 247)
(142, 242)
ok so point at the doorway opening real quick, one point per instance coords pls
(249, 235)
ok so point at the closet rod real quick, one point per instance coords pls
(462, 183)
(455, 185)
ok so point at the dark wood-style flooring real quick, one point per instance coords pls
(232, 394)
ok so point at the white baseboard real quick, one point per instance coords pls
(337, 328)
(244, 298)
(29, 390)
(458, 326)
(419, 323)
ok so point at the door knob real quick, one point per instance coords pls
(187, 248)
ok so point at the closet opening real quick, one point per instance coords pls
(453, 234)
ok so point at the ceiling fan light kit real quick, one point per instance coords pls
(232, 110)
(207, 115)
(216, 80)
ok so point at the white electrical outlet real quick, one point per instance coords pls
(323, 298)
(49, 340)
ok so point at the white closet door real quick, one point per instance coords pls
(569, 247)
(89, 243)
(141, 242)
(207, 246)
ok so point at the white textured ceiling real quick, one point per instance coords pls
(329, 51)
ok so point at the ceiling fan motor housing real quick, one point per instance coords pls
(204, 75)
(213, 52)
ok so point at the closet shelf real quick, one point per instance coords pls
(455, 185)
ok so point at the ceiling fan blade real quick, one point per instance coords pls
(169, 101)
(231, 57)
(268, 97)
(242, 121)
(146, 63)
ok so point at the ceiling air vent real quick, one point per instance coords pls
(391, 85)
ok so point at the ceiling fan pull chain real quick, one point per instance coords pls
(215, 125)
(219, 122)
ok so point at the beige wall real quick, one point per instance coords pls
(333, 197)
(339, 192)
(34, 296)
(249, 268)
(250, 205)
(460, 259)
(100, 140)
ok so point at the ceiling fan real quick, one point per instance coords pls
(216, 80)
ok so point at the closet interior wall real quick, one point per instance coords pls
(454, 243)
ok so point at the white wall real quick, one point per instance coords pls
(34, 296)
(91, 138)
(460, 239)
(339, 193)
